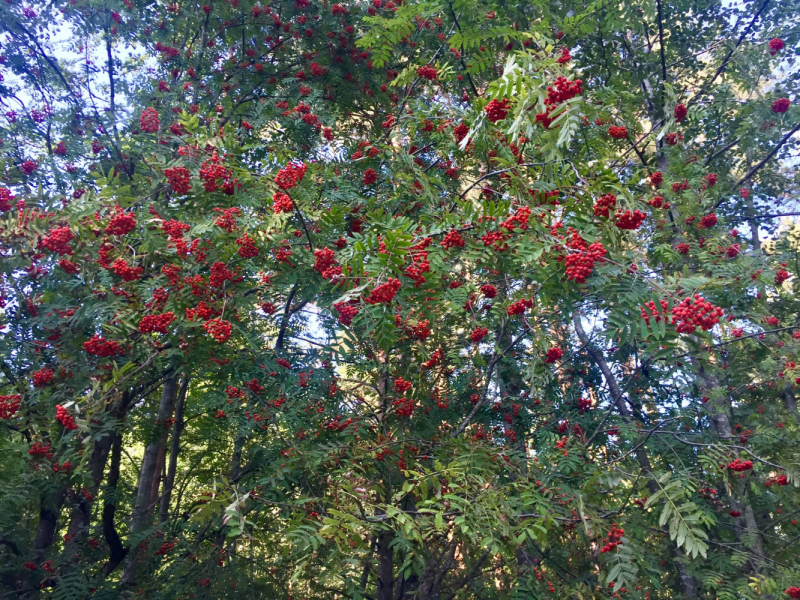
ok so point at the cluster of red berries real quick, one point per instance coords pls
(495, 239)
(220, 274)
(781, 105)
(488, 290)
(370, 177)
(125, 271)
(6, 198)
(384, 293)
(779, 480)
(629, 219)
(58, 240)
(437, 356)
(290, 175)
(420, 264)
(460, 132)
(156, 323)
(174, 229)
(68, 266)
(227, 218)
(98, 346)
(166, 548)
(680, 186)
(497, 110)
(554, 355)
(618, 133)
(281, 203)
(650, 310)
(519, 307)
(561, 91)
(401, 385)
(234, 393)
(781, 275)
(673, 138)
(519, 220)
(404, 407)
(9, 405)
(283, 253)
(740, 465)
(680, 112)
(346, 312)
(218, 329)
(211, 171)
(614, 539)
(254, 386)
(694, 312)
(202, 312)
(121, 223)
(775, 46)
(179, 179)
(40, 449)
(708, 221)
(656, 178)
(427, 72)
(453, 239)
(581, 262)
(479, 333)
(29, 166)
(324, 259)
(604, 204)
(63, 417)
(247, 247)
(42, 377)
(793, 592)
(148, 121)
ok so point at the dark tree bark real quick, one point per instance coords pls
(385, 567)
(174, 450)
(147, 490)
(117, 551)
(81, 513)
(49, 511)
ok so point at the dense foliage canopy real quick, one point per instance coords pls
(434, 299)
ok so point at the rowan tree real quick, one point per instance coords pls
(399, 300)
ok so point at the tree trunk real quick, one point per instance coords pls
(790, 401)
(616, 393)
(720, 410)
(687, 581)
(49, 511)
(117, 551)
(81, 513)
(174, 450)
(385, 567)
(146, 497)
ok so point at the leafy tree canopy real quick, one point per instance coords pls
(434, 299)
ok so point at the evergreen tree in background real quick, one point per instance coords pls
(394, 300)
